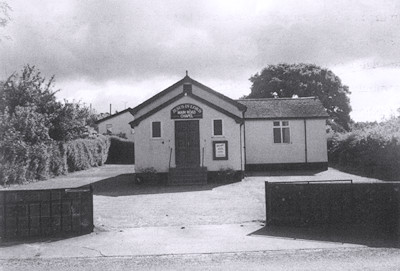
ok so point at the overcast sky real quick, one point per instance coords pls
(123, 52)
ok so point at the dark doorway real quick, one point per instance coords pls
(187, 143)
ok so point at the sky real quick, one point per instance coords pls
(122, 52)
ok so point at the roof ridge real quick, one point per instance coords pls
(278, 99)
(185, 80)
(129, 109)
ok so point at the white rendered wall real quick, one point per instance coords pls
(261, 149)
(120, 124)
(317, 141)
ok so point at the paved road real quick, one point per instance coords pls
(320, 259)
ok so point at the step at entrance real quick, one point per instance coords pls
(187, 176)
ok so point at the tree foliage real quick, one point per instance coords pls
(31, 94)
(304, 80)
(41, 137)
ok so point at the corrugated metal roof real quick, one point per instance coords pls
(274, 108)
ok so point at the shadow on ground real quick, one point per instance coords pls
(37, 239)
(350, 235)
(124, 185)
(283, 173)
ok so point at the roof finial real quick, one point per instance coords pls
(187, 73)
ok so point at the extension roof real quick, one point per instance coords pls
(114, 115)
(284, 108)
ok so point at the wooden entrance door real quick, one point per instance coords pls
(187, 143)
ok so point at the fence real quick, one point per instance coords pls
(46, 213)
(370, 207)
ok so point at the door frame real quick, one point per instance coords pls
(196, 151)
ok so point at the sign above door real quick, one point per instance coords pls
(186, 111)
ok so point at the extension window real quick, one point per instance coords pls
(281, 132)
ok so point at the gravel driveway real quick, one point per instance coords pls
(119, 203)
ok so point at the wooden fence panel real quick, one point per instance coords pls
(46, 213)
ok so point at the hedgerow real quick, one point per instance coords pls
(373, 150)
(20, 162)
(85, 153)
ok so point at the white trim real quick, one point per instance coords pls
(222, 128)
(151, 129)
(281, 131)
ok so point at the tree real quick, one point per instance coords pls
(29, 88)
(64, 121)
(69, 122)
(304, 80)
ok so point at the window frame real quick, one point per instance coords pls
(213, 128)
(214, 144)
(280, 128)
(151, 129)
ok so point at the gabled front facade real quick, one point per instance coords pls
(192, 133)
(189, 131)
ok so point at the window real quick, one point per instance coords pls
(217, 128)
(156, 129)
(109, 128)
(281, 132)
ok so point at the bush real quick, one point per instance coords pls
(147, 176)
(58, 159)
(372, 151)
(226, 174)
(20, 162)
(13, 161)
(86, 153)
(121, 151)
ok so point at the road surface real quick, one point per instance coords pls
(316, 259)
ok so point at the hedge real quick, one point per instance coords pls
(121, 151)
(86, 153)
(373, 152)
(20, 162)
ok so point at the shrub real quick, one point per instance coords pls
(13, 161)
(226, 174)
(86, 153)
(372, 150)
(20, 162)
(58, 159)
(146, 175)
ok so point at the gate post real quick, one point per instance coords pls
(267, 216)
